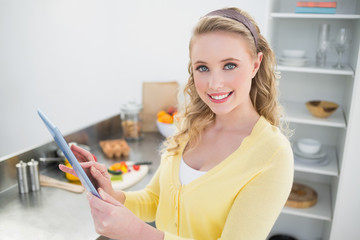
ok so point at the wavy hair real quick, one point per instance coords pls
(196, 115)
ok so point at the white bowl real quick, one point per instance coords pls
(309, 145)
(293, 53)
(294, 62)
(166, 129)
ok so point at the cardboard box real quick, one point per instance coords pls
(157, 96)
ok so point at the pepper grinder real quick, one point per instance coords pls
(22, 176)
(34, 175)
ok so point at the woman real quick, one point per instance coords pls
(228, 171)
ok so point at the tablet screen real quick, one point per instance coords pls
(60, 141)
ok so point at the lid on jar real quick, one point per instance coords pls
(131, 107)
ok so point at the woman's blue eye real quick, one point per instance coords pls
(230, 66)
(202, 69)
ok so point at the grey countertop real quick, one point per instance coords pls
(53, 213)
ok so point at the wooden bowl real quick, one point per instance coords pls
(321, 109)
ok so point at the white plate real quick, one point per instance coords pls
(311, 157)
(292, 64)
(296, 62)
(293, 60)
(318, 161)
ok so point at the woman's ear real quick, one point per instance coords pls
(257, 63)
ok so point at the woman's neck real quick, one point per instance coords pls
(238, 119)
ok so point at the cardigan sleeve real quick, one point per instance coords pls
(143, 203)
(260, 201)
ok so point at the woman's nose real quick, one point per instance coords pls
(216, 81)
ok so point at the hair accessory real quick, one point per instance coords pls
(233, 14)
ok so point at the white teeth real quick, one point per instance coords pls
(219, 97)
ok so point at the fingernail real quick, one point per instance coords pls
(102, 193)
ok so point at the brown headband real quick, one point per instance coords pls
(233, 14)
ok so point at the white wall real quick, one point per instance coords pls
(79, 60)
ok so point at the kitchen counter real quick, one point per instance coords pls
(53, 213)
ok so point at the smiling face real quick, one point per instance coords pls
(223, 69)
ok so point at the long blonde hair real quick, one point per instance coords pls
(196, 115)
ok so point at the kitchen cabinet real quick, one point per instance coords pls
(299, 84)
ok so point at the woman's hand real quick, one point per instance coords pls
(96, 172)
(113, 220)
(82, 156)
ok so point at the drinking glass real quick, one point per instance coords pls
(341, 42)
(323, 45)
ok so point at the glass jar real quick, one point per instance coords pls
(131, 121)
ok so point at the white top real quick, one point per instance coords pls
(188, 174)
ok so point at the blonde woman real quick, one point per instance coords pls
(228, 172)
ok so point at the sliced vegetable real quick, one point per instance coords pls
(119, 167)
(119, 172)
(116, 177)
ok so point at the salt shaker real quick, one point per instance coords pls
(22, 176)
(34, 175)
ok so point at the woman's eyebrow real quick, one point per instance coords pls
(224, 60)
(200, 62)
(230, 59)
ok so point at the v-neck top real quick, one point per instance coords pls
(239, 198)
(187, 174)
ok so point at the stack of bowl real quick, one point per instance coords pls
(293, 57)
(310, 151)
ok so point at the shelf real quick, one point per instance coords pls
(330, 168)
(312, 16)
(311, 68)
(296, 112)
(321, 210)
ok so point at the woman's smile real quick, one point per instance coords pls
(219, 97)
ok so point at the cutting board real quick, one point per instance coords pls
(131, 178)
(301, 196)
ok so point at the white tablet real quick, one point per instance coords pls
(59, 139)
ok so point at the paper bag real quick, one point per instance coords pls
(157, 96)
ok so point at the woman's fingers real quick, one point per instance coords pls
(85, 165)
(101, 205)
(98, 174)
(108, 198)
(66, 169)
(81, 154)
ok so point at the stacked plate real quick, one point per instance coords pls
(293, 57)
(319, 158)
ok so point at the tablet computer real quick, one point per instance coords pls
(60, 141)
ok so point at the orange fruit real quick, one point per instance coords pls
(166, 118)
(161, 113)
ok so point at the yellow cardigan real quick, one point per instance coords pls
(240, 198)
